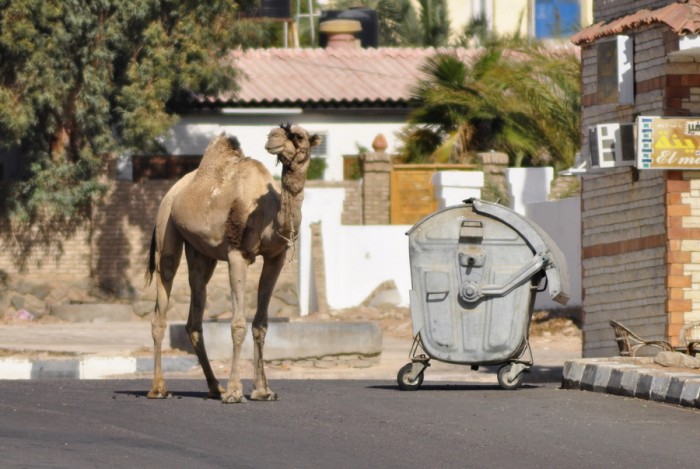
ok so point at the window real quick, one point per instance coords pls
(615, 71)
(556, 18)
(320, 151)
(482, 9)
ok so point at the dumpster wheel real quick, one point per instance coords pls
(403, 378)
(506, 379)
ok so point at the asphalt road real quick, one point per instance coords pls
(337, 424)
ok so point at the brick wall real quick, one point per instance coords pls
(109, 265)
(623, 256)
(682, 85)
(606, 10)
(652, 44)
(624, 220)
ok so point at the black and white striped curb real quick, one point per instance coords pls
(633, 377)
(90, 367)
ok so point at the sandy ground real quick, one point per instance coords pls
(554, 339)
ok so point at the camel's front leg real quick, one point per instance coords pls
(237, 266)
(268, 278)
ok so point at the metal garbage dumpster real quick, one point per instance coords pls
(475, 270)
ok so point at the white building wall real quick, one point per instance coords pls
(344, 134)
(528, 185)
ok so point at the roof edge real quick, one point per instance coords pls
(682, 17)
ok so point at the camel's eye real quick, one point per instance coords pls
(299, 136)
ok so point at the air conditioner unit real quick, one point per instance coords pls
(611, 145)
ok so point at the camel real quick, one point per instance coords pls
(228, 209)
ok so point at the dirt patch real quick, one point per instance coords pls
(396, 322)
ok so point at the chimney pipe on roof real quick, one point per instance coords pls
(341, 33)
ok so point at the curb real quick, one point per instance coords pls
(633, 377)
(94, 367)
(288, 340)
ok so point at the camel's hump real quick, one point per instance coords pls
(221, 152)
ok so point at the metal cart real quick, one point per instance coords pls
(475, 270)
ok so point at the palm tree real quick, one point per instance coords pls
(523, 101)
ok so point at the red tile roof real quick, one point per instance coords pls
(682, 17)
(279, 77)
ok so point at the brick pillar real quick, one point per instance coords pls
(494, 165)
(376, 186)
(683, 225)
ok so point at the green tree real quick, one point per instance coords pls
(81, 82)
(522, 100)
(434, 22)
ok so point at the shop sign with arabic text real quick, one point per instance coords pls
(668, 143)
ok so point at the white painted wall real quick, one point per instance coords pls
(528, 185)
(359, 258)
(452, 187)
(192, 134)
(324, 205)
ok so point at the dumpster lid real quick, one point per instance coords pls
(556, 271)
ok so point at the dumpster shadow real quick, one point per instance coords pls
(545, 374)
(438, 386)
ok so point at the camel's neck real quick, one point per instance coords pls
(292, 196)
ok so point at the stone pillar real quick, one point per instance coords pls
(494, 165)
(376, 186)
(318, 271)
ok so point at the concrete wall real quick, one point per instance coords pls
(561, 219)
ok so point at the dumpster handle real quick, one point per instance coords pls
(471, 291)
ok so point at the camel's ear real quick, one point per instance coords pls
(315, 140)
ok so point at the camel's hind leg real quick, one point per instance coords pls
(200, 269)
(268, 278)
(167, 255)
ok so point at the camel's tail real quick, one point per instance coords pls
(151, 259)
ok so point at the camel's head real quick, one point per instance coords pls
(292, 145)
